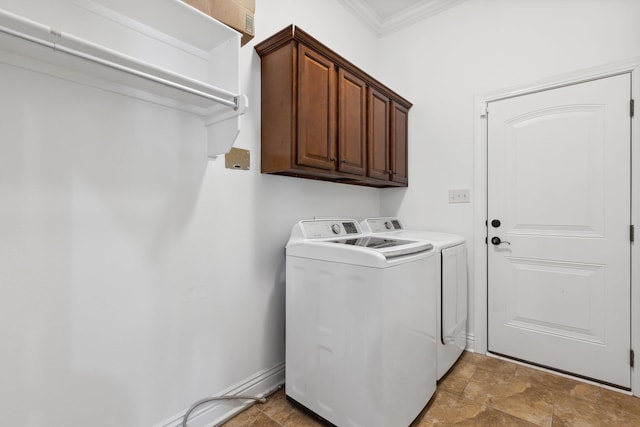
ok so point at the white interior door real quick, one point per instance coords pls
(559, 184)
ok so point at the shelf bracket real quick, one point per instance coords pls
(223, 127)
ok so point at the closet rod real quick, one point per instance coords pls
(57, 47)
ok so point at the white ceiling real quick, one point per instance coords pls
(386, 8)
(387, 16)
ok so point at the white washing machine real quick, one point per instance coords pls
(452, 291)
(360, 324)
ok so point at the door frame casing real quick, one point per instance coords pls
(631, 66)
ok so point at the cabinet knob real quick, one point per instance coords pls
(343, 161)
(333, 159)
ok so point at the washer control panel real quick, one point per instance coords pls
(323, 228)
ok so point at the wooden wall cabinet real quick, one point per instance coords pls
(324, 118)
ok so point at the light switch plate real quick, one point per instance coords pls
(459, 196)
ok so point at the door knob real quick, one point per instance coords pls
(497, 241)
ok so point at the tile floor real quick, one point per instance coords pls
(483, 391)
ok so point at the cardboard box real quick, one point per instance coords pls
(238, 14)
(247, 4)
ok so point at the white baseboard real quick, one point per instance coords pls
(215, 413)
(471, 342)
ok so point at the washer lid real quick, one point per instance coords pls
(389, 248)
(361, 250)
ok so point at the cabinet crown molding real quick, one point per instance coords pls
(295, 34)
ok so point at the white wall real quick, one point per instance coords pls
(136, 277)
(474, 48)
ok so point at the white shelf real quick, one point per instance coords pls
(172, 17)
(53, 51)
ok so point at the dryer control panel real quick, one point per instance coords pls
(383, 225)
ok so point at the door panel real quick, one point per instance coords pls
(316, 110)
(559, 182)
(379, 133)
(567, 145)
(561, 298)
(399, 143)
(352, 141)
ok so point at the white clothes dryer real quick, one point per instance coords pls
(360, 324)
(452, 291)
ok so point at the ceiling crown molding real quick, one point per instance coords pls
(384, 26)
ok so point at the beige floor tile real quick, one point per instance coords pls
(447, 409)
(496, 365)
(511, 395)
(559, 384)
(620, 401)
(570, 412)
(252, 417)
(499, 376)
(301, 419)
(278, 407)
(471, 357)
(457, 378)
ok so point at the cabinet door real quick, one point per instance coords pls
(378, 135)
(316, 110)
(399, 139)
(352, 123)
